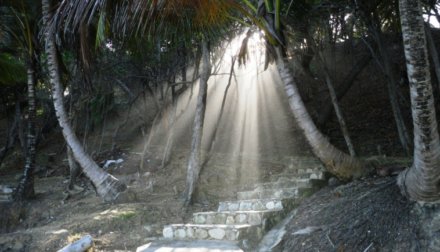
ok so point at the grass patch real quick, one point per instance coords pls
(126, 215)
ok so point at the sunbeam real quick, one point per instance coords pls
(254, 128)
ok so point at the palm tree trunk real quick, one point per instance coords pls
(25, 188)
(107, 186)
(74, 169)
(337, 162)
(193, 169)
(421, 181)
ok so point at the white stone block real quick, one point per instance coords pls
(233, 207)
(217, 233)
(190, 233)
(240, 218)
(201, 234)
(254, 219)
(200, 219)
(245, 206)
(168, 232)
(230, 220)
(231, 235)
(180, 233)
(270, 205)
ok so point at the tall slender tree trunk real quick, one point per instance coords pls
(193, 169)
(337, 162)
(213, 139)
(420, 182)
(338, 111)
(392, 92)
(107, 186)
(170, 140)
(25, 188)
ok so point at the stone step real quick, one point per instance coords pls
(282, 193)
(190, 246)
(303, 174)
(284, 183)
(265, 218)
(257, 205)
(245, 232)
(5, 197)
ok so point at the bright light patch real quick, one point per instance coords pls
(432, 21)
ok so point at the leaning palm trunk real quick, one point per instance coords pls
(107, 186)
(194, 158)
(25, 188)
(421, 181)
(337, 162)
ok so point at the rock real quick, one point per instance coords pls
(168, 233)
(190, 233)
(333, 182)
(230, 220)
(314, 176)
(270, 205)
(201, 234)
(245, 205)
(231, 235)
(217, 233)
(220, 218)
(233, 207)
(240, 218)
(254, 219)
(180, 233)
(200, 219)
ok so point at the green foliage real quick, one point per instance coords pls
(126, 215)
(12, 70)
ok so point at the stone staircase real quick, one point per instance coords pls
(242, 222)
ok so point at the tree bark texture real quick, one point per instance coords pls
(337, 162)
(420, 182)
(25, 188)
(193, 169)
(107, 186)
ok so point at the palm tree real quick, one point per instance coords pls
(191, 20)
(337, 162)
(19, 22)
(421, 181)
(107, 186)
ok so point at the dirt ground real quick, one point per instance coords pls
(52, 220)
(365, 215)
